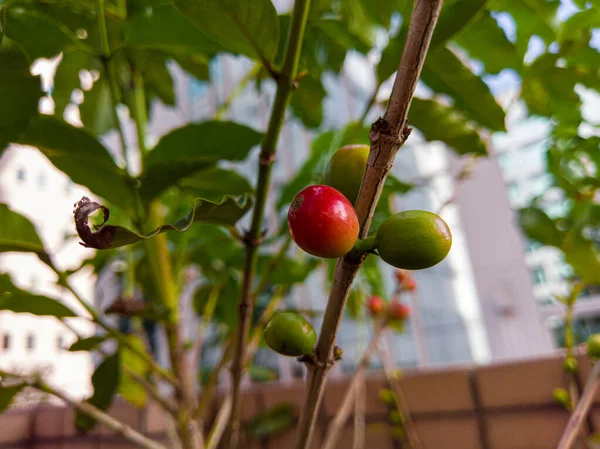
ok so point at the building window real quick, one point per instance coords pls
(30, 342)
(539, 276)
(6, 341)
(21, 175)
(42, 180)
(60, 343)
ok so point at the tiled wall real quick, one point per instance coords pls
(502, 406)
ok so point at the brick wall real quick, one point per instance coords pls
(501, 406)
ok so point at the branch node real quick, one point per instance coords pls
(266, 159)
(251, 241)
(313, 361)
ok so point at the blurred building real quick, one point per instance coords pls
(31, 186)
(521, 156)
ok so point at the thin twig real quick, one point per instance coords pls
(387, 135)
(581, 411)
(208, 391)
(209, 310)
(151, 389)
(237, 90)
(127, 432)
(110, 75)
(359, 413)
(401, 403)
(370, 104)
(251, 350)
(339, 421)
(458, 181)
(285, 86)
(273, 264)
(122, 339)
(220, 425)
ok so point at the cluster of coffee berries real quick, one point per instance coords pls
(323, 222)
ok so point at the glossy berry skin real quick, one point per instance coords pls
(346, 169)
(290, 334)
(398, 311)
(323, 222)
(375, 304)
(593, 346)
(413, 240)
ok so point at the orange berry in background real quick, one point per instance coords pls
(398, 311)
(376, 305)
(409, 284)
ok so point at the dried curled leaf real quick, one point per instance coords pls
(225, 212)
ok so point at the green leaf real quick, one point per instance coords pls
(372, 274)
(39, 35)
(445, 73)
(532, 17)
(226, 212)
(17, 233)
(96, 111)
(320, 151)
(105, 381)
(165, 28)
(394, 185)
(538, 226)
(443, 123)
(356, 302)
(214, 183)
(307, 102)
(549, 90)
(320, 7)
(288, 271)
(87, 343)
(583, 256)
(390, 57)
(485, 41)
(322, 147)
(248, 28)
(129, 389)
(191, 148)
(208, 243)
(381, 11)
(16, 300)
(157, 78)
(272, 421)
(226, 308)
(194, 66)
(2, 23)
(356, 18)
(453, 18)
(337, 31)
(8, 393)
(66, 79)
(20, 93)
(79, 155)
(579, 25)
